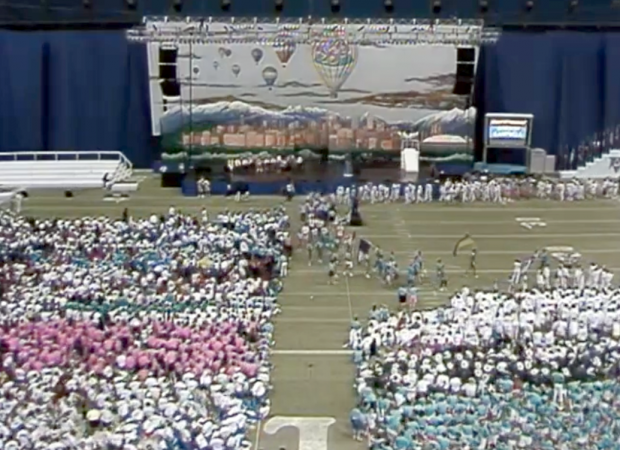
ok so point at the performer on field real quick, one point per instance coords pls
(472, 264)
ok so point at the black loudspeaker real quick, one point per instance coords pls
(465, 70)
(168, 55)
(466, 55)
(170, 88)
(167, 72)
(462, 88)
(68, 194)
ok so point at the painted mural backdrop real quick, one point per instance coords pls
(328, 94)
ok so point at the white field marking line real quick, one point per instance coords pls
(493, 236)
(302, 271)
(258, 432)
(350, 304)
(415, 221)
(312, 352)
(220, 202)
(496, 252)
(340, 294)
(281, 320)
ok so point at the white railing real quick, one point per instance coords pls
(122, 172)
(64, 155)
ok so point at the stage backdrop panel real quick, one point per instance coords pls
(329, 94)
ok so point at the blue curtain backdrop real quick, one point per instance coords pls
(89, 91)
(570, 82)
(84, 90)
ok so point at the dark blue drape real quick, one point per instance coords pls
(75, 91)
(568, 80)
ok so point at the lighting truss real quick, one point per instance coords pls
(210, 30)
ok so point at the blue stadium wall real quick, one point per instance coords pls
(88, 89)
(557, 12)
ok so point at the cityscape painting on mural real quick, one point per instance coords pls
(329, 92)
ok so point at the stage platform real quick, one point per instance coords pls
(500, 169)
(313, 176)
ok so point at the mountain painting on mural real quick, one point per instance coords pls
(330, 93)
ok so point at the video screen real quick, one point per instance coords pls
(508, 132)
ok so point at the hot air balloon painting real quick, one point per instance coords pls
(284, 49)
(216, 65)
(224, 52)
(196, 71)
(270, 75)
(257, 55)
(236, 70)
(334, 60)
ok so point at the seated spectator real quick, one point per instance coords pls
(535, 370)
(118, 334)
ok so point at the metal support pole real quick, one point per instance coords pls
(190, 151)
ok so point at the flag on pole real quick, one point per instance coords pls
(365, 246)
(465, 242)
(363, 250)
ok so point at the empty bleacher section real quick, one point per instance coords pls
(62, 170)
(604, 166)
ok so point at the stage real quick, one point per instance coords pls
(312, 176)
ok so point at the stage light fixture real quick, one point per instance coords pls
(87, 4)
(225, 5)
(484, 6)
(335, 6)
(436, 6)
(177, 5)
(529, 5)
(572, 5)
(388, 5)
(131, 4)
(279, 6)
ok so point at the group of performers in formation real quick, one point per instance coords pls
(326, 240)
(481, 189)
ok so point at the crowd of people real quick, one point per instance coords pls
(137, 333)
(482, 189)
(535, 369)
(264, 164)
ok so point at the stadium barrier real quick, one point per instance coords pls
(62, 170)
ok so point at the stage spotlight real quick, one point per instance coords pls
(87, 4)
(484, 6)
(177, 5)
(225, 5)
(335, 6)
(572, 5)
(388, 5)
(529, 5)
(131, 4)
(279, 5)
(436, 6)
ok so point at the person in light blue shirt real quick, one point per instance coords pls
(358, 423)
(403, 443)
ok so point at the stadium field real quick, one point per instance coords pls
(313, 374)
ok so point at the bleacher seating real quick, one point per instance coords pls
(605, 166)
(62, 170)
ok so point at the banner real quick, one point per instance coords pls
(465, 242)
(287, 94)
